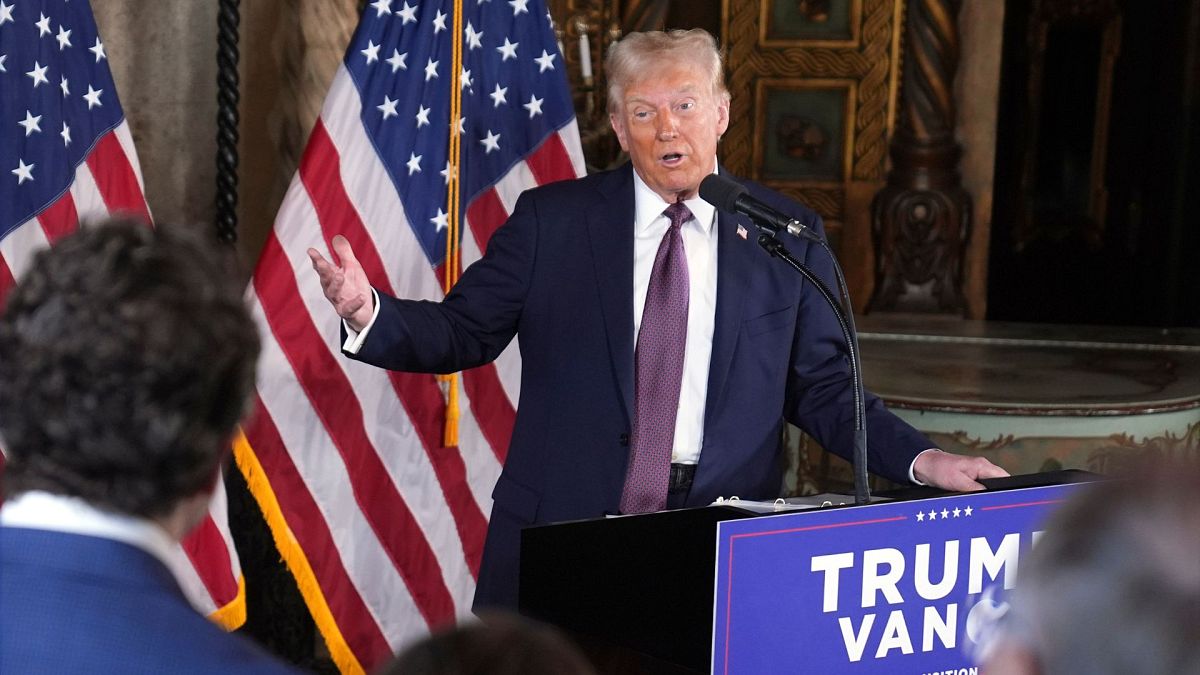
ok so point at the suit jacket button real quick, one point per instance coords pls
(624, 439)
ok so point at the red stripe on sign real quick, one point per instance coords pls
(296, 504)
(205, 547)
(550, 162)
(420, 395)
(485, 215)
(116, 179)
(333, 399)
(59, 219)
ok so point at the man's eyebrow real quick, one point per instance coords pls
(686, 90)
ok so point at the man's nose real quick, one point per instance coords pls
(668, 127)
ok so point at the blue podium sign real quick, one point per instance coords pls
(904, 587)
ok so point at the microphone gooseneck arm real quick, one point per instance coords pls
(776, 249)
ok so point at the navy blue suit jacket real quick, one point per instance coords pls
(560, 274)
(71, 603)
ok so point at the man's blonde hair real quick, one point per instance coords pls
(637, 53)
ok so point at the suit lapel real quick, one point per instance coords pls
(733, 282)
(610, 231)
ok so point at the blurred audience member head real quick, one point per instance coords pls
(501, 644)
(1113, 586)
(126, 361)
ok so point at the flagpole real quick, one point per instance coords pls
(451, 265)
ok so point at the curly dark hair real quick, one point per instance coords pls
(126, 361)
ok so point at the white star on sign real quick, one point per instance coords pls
(371, 52)
(498, 96)
(473, 38)
(430, 69)
(98, 50)
(414, 163)
(31, 123)
(92, 97)
(63, 37)
(43, 25)
(23, 172)
(545, 61)
(967, 511)
(422, 116)
(409, 14)
(491, 142)
(398, 60)
(439, 220)
(508, 50)
(933, 515)
(66, 134)
(38, 74)
(957, 512)
(5, 12)
(945, 514)
(388, 107)
(920, 516)
(439, 22)
(534, 106)
(382, 7)
(518, 6)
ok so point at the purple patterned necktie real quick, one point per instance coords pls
(658, 372)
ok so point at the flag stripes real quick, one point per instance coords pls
(59, 219)
(213, 577)
(72, 160)
(420, 395)
(383, 525)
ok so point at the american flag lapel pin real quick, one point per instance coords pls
(741, 232)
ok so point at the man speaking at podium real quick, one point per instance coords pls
(662, 348)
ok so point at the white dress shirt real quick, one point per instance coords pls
(700, 246)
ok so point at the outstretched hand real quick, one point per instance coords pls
(959, 473)
(345, 287)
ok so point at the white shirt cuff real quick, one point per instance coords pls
(912, 476)
(355, 339)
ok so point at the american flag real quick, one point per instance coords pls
(67, 157)
(382, 523)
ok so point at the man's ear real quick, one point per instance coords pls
(618, 127)
(722, 116)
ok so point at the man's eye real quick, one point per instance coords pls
(687, 105)
(641, 114)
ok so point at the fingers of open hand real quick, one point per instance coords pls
(344, 252)
(344, 286)
(958, 472)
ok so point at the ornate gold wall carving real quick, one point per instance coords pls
(863, 64)
(869, 61)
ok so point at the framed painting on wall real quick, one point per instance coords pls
(806, 125)
(828, 23)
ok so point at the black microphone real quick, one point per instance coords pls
(731, 196)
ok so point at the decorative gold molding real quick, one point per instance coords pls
(766, 22)
(868, 62)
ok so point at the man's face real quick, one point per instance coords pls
(669, 121)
